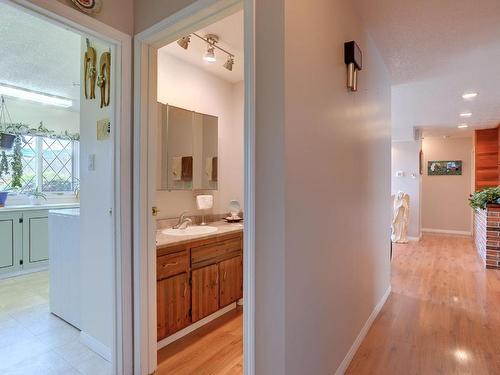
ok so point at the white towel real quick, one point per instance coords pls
(204, 202)
(208, 167)
(177, 168)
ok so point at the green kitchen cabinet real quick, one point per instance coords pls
(35, 239)
(11, 242)
(24, 240)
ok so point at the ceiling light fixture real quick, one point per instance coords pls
(33, 96)
(184, 41)
(209, 56)
(466, 114)
(469, 95)
(463, 126)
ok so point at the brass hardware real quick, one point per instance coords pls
(103, 81)
(170, 264)
(89, 65)
(225, 274)
(155, 210)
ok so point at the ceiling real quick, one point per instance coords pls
(38, 55)
(436, 51)
(230, 32)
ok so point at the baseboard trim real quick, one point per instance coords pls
(355, 346)
(95, 345)
(446, 231)
(23, 272)
(183, 332)
(410, 238)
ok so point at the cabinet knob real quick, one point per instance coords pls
(155, 210)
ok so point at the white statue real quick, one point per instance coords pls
(400, 214)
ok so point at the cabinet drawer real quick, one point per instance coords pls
(216, 251)
(172, 264)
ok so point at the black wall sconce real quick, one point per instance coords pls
(353, 58)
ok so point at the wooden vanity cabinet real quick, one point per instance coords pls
(231, 281)
(205, 291)
(196, 279)
(173, 304)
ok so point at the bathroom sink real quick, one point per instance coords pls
(190, 231)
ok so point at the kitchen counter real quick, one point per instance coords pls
(31, 207)
(66, 212)
(224, 228)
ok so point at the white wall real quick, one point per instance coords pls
(405, 158)
(337, 205)
(53, 118)
(96, 231)
(445, 198)
(189, 87)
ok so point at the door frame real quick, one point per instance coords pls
(65, 16)
(197, 15)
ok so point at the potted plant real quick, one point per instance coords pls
(37, 197)
(7, 140)
(16, 164)
(479, 199)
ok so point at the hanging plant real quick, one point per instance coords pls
(4, 164)
(17, 164)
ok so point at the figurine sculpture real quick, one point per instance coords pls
(400, 215)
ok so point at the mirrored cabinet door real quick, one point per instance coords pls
(188, 150)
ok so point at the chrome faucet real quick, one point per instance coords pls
(183, 222)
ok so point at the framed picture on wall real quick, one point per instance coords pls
(444, 168)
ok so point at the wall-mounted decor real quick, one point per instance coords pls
(104, 78)
(89, 64)
(353, 58)
(88, 6)
(444, 168)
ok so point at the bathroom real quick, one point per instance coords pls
(199, 195)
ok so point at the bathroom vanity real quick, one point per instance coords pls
(198, 277)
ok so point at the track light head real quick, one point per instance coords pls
(184, 41)
(209, 56)
(229, 63)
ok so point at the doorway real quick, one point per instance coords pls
(152, 46)
(64, 213)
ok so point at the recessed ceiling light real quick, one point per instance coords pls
(33, 96)
(463, 126)
(466, 114)
(469, 95)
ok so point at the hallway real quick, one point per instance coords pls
(442, 317)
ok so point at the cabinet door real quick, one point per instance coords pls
(231, 281)
(35, 239)
(205, 291)
(173, 301)
(10, 242)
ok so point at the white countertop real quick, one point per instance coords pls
(31, 207)
(66, 212)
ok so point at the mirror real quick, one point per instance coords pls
(188, 150)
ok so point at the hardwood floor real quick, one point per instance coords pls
(443, 316)
(215, 349)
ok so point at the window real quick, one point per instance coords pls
(49, 164)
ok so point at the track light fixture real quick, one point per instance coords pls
(229, 63)
(184, 41)
(209, 56)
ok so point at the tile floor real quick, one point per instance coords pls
(33, 341)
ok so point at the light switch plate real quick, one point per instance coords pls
(91, 162)
(103, 129)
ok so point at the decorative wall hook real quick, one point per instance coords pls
(89, 64)
(104, 80)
